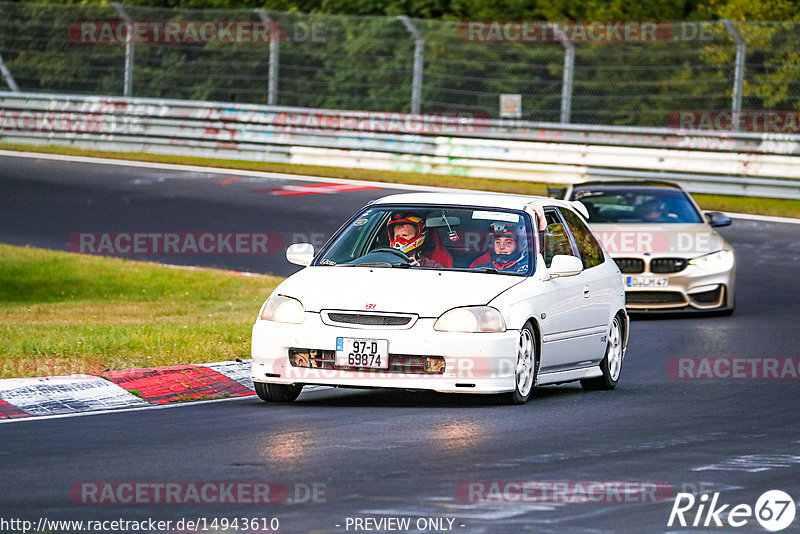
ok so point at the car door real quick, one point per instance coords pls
(597, 283)
(567, 322)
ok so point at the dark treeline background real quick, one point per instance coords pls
(364, 59)
(672, 10)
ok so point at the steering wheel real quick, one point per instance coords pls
(399, 253)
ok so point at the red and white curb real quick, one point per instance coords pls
(129, 388)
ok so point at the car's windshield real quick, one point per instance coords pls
(434, 237)
(607, 204)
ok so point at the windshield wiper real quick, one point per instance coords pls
(374, 264)
(487, 270)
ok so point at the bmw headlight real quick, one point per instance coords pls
(471, 319)
(721, 260)
(283, 310)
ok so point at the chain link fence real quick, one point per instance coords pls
(398, 64)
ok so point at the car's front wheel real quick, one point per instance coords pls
(612, 362)
(277, 392)
(527, 366)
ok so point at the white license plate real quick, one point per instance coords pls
(360, 352)
(647, 281)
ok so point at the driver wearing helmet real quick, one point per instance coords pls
(510, 252)
(407, 234)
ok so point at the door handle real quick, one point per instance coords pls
(586, 292)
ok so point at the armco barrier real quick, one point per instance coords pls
(713, 162)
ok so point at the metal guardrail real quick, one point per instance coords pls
(709, 162)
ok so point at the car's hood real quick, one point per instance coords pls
(659, 239)
(427, 293)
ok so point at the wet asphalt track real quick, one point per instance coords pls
(385, 454)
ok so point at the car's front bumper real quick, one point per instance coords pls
(474, 362)
(689, 290)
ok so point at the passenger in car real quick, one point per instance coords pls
(510, 251)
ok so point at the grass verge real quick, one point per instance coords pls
(64, 313)
(729, 203)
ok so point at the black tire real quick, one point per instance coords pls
(527, 345)
(277, 392)
(615, 348)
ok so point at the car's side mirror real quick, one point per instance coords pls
(717, 219)
(300, 254)
(563, 265)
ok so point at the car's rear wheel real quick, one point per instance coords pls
(277, 392)
(611, 366)
(527, 366)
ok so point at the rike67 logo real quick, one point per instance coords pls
(774, 511)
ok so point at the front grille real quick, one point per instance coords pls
(630, 265)
(667, 265)
(653, 297)
(368, 320)
(398, 363)
(707, 298)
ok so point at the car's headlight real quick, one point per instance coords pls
(716, 261)
(471, 319)
(283, 310)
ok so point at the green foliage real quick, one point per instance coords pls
(365, 62)
(67, 313)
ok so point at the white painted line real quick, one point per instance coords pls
(238, 371)
(65, 394)
(763, 218)
(146, 407)
(121, 410)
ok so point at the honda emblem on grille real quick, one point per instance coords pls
(370, 306)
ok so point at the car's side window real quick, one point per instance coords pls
(555, 239)
(590, 250)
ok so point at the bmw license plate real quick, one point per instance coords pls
(360, 352)
(647, 281)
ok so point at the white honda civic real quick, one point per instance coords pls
(457, 293)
